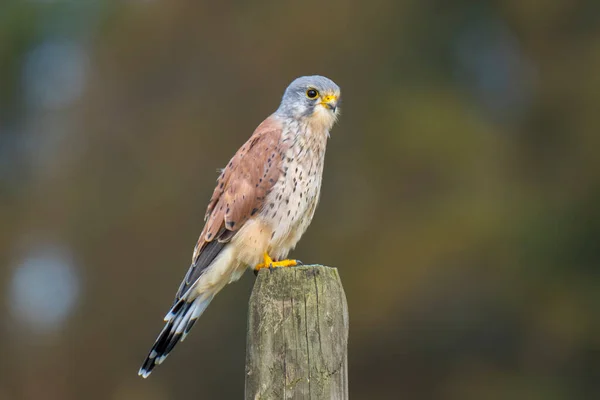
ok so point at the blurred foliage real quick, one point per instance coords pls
(461, 198)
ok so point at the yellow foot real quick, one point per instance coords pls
(269, 263)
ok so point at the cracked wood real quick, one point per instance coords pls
(297, 335)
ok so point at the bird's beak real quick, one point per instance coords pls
(330, 102)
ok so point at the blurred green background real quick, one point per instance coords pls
(461, 197)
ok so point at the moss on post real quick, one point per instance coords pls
(297, 335)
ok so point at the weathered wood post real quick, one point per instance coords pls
(297, 335)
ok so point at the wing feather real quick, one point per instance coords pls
(239, 195)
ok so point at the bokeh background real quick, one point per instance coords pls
(461, 198)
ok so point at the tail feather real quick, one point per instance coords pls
(174, 310)
(179, 320)
(197, 311)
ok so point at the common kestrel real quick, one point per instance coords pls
(263, 203)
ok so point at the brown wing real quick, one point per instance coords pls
(239, 195)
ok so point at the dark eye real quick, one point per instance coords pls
(312, 93)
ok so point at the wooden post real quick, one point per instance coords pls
(297, 335)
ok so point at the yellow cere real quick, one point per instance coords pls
(329, 99)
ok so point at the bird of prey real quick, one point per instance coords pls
(263, 203)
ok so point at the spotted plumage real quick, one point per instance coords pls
(264, 201)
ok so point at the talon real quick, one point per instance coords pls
(269, 263)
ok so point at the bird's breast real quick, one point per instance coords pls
(291, 204)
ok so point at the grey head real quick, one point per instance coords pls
(311, 97)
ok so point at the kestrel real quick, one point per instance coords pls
(263, 203)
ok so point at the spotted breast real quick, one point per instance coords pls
(291, 204)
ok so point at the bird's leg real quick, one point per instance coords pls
(269, 263)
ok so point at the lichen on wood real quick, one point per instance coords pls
(297, 335)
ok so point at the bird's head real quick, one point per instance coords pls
(313, 98)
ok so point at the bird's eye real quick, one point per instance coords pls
(312, 93)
